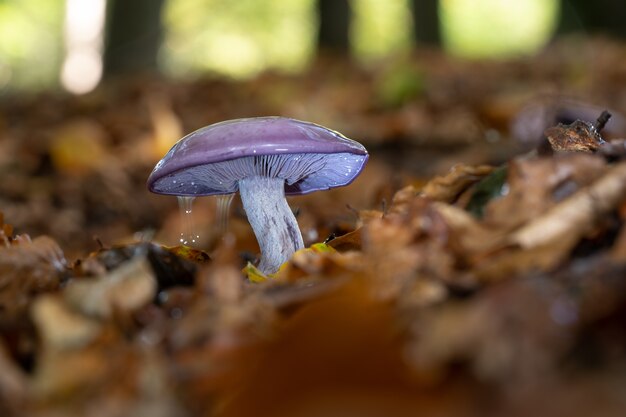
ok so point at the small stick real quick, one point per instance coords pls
(601, 121)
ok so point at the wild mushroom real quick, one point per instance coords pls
(265, 158)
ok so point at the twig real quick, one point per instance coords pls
(601, 121)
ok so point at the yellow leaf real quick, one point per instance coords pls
(321, 248)
(254, 274)
(188, 253)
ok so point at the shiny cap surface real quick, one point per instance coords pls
(237, 147)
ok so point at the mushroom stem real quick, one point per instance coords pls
(273, 222)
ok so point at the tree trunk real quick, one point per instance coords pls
(133, 36)
(598, 16)
(426, 22)
(334, 25)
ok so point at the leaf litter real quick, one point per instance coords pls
(495, 288)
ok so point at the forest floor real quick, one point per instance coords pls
(477, 267)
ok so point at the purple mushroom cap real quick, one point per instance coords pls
(213, 159)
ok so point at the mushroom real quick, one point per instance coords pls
(265, 158)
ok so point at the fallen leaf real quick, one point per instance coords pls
(190, 254)
(348, 241)
(27, 269)
(124, 289)
(577, 137)
(338, 354)
(536, 184)
(448, 187)
(59, 327)
(575, 216)
(78, 148)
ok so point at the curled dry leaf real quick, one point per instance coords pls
(401, 249)
(483, 254)
(577, 137)
(45, 249)
(349, 241)
(26, 269)
(448, 187)
(467, 235)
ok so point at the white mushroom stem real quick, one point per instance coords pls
(273, 222)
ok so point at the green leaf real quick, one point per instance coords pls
(490, 187)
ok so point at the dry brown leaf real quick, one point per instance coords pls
(536, 184)
(59, 327)
(77, 147)
(469, 236)
(577, 137)
(509, 263)
(339, 354)
(448, 187)
(423, 293)
(26, 269)
(326, 264)
(126, 288)
(402, 248)
(349, 241)
(365, 216)
(574, 217)
(111, 378)
(298, 346)
(505, 333)
(402, 200)
(390, 255)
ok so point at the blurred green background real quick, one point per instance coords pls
(59, 44)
